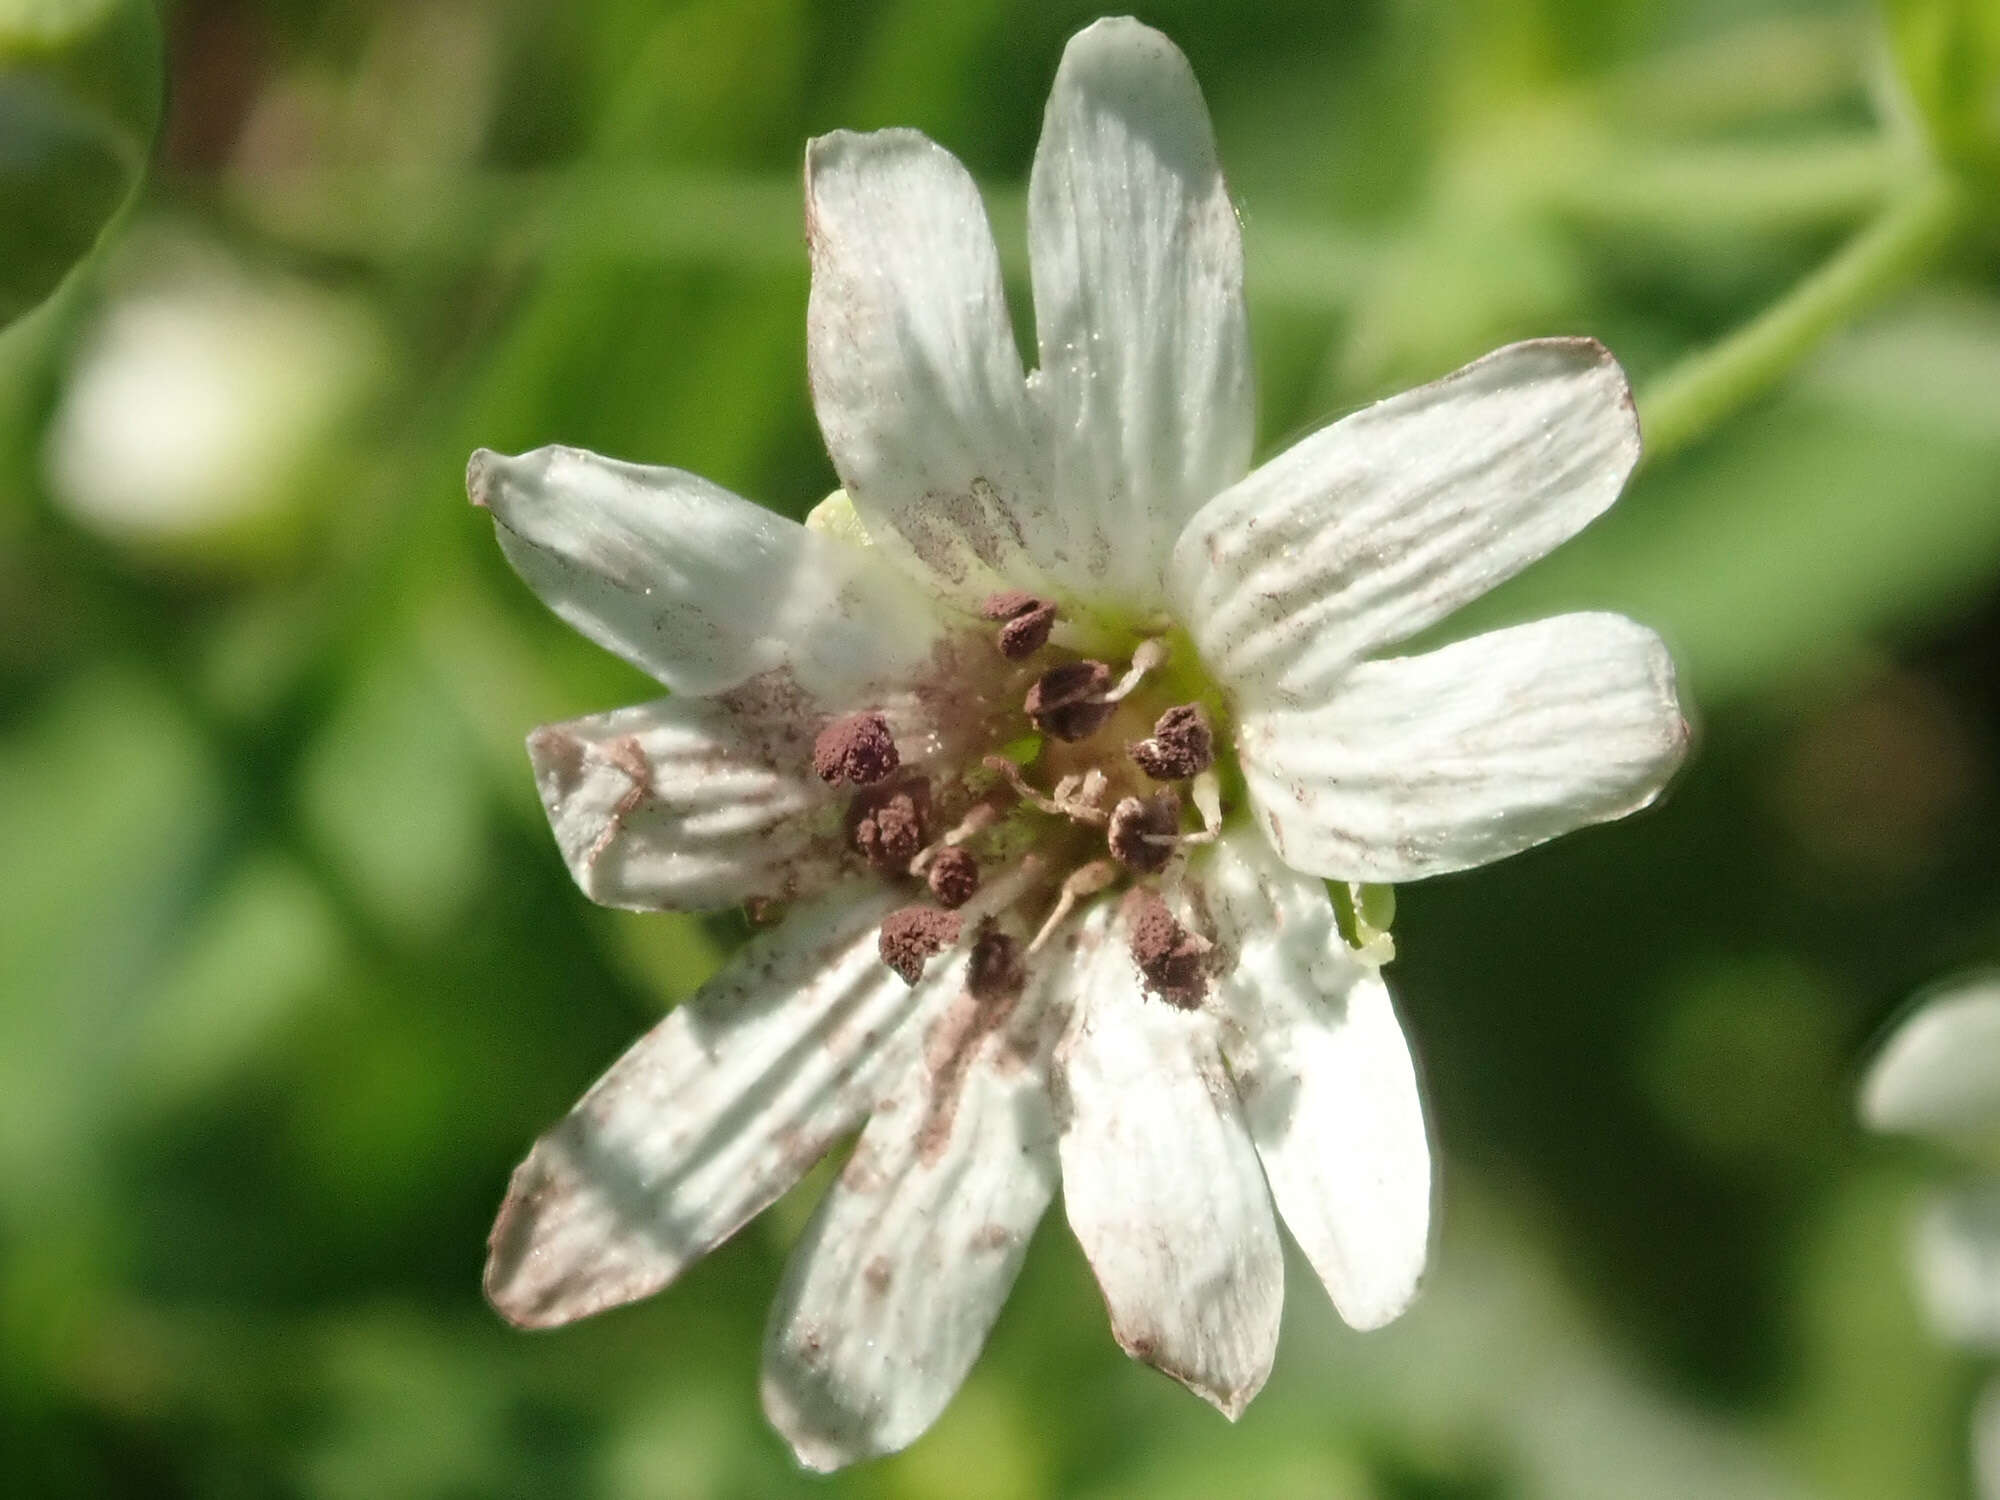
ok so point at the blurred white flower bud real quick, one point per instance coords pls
(197, 396)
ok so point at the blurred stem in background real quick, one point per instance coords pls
(1693, 398)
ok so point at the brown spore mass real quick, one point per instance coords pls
(1134, 820)
(996, 974)
(1169, 957)
(912, 935)
(888, 824)
(857, 749)
(1182, 745)
(1025, 622)
(953, 877)
(1007, 604)
(1066, 701)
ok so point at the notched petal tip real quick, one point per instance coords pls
(1231, 1401)
(1676, 730)
(513, 1254)
(555, 1255)
(499, 482)
(866, 149)
(479, 471)
(1589, 355)
(821, 1440)
(1109, 36)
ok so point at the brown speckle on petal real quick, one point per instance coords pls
(994, 984)
(857, 749)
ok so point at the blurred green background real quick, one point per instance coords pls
(291, 973)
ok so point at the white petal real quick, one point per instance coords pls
(1957, 1257)
(915, 374)
(1371, 529)
(1138, 274)
(889, 1296)
(1940, 1072)
(1423, 764)
(1161, 1182)
(1326, 1080)
(684, 805)
(711, 1116)
(701, 589)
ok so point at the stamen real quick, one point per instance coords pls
(1080, 795)
(913, 935)
(954, 877)
(1170, 957)
(996, 971)
(1086, 880)
(1207, 794)
(1068, 701)
(1007, 604)
(857, 749)
(1182, 745)
(1149, 656)
(1011, 773)
(1074, 798)
(1144, 830)
(1027, 622)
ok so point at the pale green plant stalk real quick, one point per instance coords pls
(1691, 399)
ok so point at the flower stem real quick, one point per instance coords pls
(1692, 398)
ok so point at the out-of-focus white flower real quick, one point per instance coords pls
(1049, 730)
(198, 393)
(1939, 1072)
(1938, 1076)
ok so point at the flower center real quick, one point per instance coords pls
(1101, 781)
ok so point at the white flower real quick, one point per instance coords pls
(199, 394)
(1938, 1076)
(1151, 1001)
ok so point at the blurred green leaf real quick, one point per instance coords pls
(106, 802)
(1948, 52)
(1873, 1410)
(80, 91)
(394, 791)
(32, 25)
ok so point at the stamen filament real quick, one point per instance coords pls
(1075, 797)
(1011, 774)
(1149, 656)
(1087, 880)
